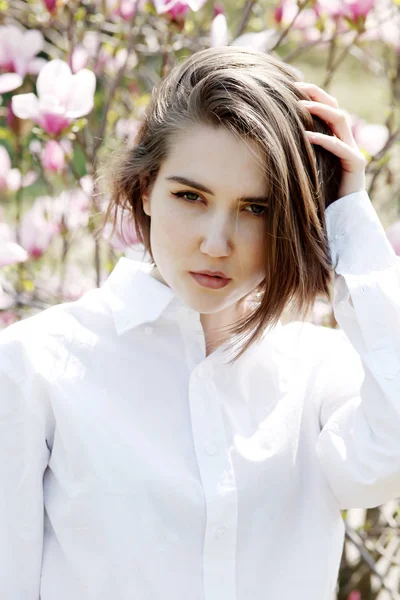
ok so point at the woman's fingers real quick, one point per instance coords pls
(316, 93)
(350, 156)
(335, 117)
(341, 143)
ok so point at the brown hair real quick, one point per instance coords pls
(253, 95)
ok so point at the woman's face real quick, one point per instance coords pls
(202, 229)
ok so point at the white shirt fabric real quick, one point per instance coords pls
(133, 467)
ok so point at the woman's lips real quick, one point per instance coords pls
(209, 281)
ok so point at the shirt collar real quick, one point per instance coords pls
(134, 296)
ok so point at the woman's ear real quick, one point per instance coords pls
(146, 203)
(145, 193)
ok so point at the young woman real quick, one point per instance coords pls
(168, 436)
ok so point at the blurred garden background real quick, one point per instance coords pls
(75, 78)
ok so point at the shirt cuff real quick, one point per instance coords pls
(357, 241)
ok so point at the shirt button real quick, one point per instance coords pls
(211, 449)
(219, 532)
(148, 330)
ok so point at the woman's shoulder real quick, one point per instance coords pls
(306, 341)
(38, 341)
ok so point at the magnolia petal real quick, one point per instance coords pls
(3, 53)
(9, 82)
(25, 106)
(262, 40)
(87, 184)
(196, 5)
(81, 98)
(5, 162)
(19, 65)
(14, 180)
(33, 43)
(80, 58)
(162, 7)
(52, 75)
(12, 253)
(36, 230)
(372, 137)
(11, 39)
(29, 178)
(36, 65)
(51, 105)
(219, 31)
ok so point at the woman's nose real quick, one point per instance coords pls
(217, 237)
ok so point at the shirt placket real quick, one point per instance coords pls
(219, 485)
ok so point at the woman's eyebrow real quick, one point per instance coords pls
(206, 190)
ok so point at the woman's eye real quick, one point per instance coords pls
(258, 207)
(185, 194)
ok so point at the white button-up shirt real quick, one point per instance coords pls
(133, 467)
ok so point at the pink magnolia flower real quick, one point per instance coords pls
(10, 82)
(370, 137)
(218, 9)
(62, 97)
(50, 5)
(7, 317)
(79, 58)
(114, 62)
(122, 9)
(89, 50)
(353, 9)
(288, 9)
(53, 155)
(18, 50)
(11, 180)
(278, 12)
(38, 227)
(262, 41)
(126, 9)
(393, 234)
(219, 31)
(124, 235)
(177, 8)
(331, 8)
(355, 595)
(72, 208)
(383, 24)
(10, 252)
(305, 22)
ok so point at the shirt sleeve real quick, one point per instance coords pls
(358, 383)
(24, 454)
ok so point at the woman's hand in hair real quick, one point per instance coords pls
(342, 143)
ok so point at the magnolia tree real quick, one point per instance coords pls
(75, 78)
